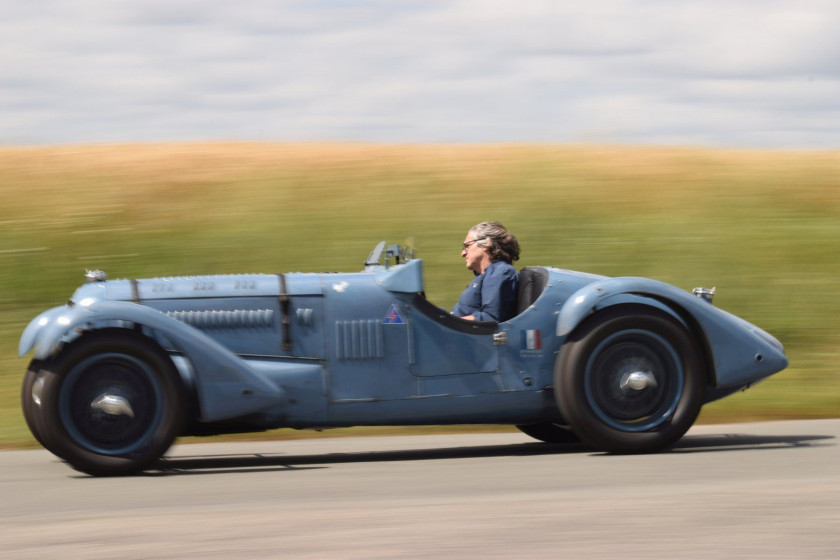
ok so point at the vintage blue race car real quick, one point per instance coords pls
(623, 364)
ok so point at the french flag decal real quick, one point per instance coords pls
(531, 340)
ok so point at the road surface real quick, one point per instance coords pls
(763, 490)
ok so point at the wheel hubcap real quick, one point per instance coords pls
(634, 380)
(637, 381)
(113, 405)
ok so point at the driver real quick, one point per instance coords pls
(489, 250)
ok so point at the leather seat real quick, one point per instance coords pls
(532, 282)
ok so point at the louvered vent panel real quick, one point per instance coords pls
(359, 340)
(238, 319)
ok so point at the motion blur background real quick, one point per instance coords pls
(697, 143)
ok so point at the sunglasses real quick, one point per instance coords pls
(468, 243)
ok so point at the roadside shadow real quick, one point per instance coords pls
(709, 443)
(262, 462)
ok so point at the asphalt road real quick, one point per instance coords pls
(768, 490)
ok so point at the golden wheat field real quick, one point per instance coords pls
(761, 226)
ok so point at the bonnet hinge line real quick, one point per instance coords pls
(284, 314)
(135, 291)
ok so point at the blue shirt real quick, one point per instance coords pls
(492, 295)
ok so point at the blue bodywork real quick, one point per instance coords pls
(329, 350)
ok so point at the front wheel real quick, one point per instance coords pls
(630, 380)
(111, 404)
(30, 398)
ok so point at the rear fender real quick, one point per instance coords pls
(738, 352)
(225, 385)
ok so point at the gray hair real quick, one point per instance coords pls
(499, 242)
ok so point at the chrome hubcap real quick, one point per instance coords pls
(637, 381)
(113, 405)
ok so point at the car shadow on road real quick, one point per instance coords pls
(746, 442)
(261, 462)
(195, 464)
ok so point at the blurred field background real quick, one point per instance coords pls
(763, 227)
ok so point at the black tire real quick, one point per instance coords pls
(30, 398)
(549, 432)
(111, 403)
(630, 379)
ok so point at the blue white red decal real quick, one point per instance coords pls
(531, 346)
(531, 340)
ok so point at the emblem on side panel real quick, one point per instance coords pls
(393, 317)
(531, 340)
(531, 343)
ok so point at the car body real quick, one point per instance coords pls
(623, 364)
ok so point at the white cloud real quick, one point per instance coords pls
(686, 72)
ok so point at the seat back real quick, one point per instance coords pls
(532, 282)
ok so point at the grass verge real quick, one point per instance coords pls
(763, 226)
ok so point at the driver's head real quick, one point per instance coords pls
(500, 244)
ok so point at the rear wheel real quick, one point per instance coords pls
(549, 432)
(111, 404)
(630, 380)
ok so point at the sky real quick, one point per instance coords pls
(718, 73)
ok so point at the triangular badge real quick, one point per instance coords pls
(393, 316)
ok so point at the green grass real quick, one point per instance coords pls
(764, 227)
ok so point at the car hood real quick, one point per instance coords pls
(200, 287)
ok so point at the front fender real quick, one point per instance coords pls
(227, 387)
(614, 291)
(44, 333)
(740, 352)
